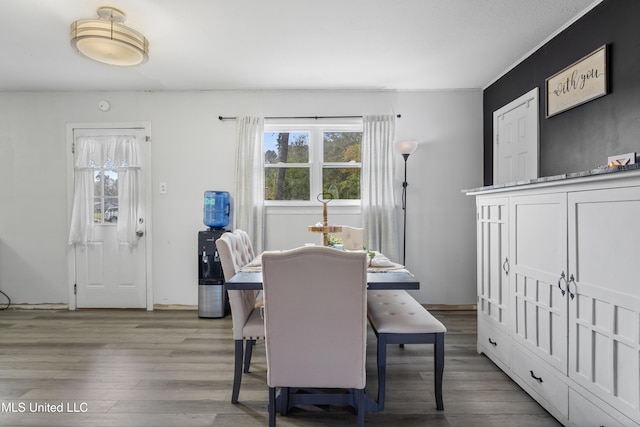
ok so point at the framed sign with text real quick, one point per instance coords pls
(580, 82)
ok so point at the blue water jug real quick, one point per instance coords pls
(216, 209)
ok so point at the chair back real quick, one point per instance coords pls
(248, 253)
(315, 317)
(352, 237)
(230, 250)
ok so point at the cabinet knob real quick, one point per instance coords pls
(505, 266)
(572, 279)
(562, 277)
(539, 379)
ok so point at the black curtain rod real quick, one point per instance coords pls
(304, 117)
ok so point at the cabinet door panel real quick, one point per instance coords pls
(537, 247)
(604, 315)
(493, 291)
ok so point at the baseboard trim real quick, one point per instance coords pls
(174, 307)
(45, 306)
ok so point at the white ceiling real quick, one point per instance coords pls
(283, 44)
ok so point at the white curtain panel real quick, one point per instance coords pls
(81, 231)
(119, 153)
(378, 172)
(249, 194)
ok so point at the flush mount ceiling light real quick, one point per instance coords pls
(107, 40)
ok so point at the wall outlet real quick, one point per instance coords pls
(621, 159)
(163, 188)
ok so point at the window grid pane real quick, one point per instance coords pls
(286, 147)
(342, 146)
(284, 183)
(341, 183)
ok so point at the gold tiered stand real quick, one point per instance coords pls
(325, 228)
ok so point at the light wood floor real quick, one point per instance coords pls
(170, 368)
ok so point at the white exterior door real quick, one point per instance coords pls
(515, 140)
(109, 273)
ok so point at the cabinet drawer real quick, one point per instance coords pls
(495, 344)
(584, 413)
(541, 379)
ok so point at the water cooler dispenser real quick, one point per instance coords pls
(212, 299)
(212, 296)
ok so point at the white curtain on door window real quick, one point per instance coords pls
(249, 198)
(119, 153)
(378, 172)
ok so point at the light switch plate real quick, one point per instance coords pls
(163, 188)
(622, 159)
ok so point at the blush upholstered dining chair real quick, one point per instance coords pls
(247, 247)
(352, 237)
(248, 325)
(315, 317)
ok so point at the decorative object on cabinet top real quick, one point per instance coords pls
(591, 172)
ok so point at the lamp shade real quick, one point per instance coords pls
(108, 41)
(405, 147)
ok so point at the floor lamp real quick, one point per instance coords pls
(406, 148)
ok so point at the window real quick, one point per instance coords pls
(304, 161)
(105, 202)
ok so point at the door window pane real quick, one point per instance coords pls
(105, 203)
(110, 183)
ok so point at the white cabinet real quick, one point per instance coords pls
(559, 291)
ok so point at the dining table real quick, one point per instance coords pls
(381, 274)
(252, 280)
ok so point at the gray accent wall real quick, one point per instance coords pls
(583, 137)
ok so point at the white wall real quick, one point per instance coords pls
(192, 151)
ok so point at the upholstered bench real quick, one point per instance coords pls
(397, 318)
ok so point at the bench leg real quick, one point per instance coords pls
(272, 406)
(284, 400)
(361, 408)
(439, 368)
(382, 369)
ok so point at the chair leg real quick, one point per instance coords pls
(272, 407)
(439, 368)
(237, 371)
(382, 369)
(247, 354)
